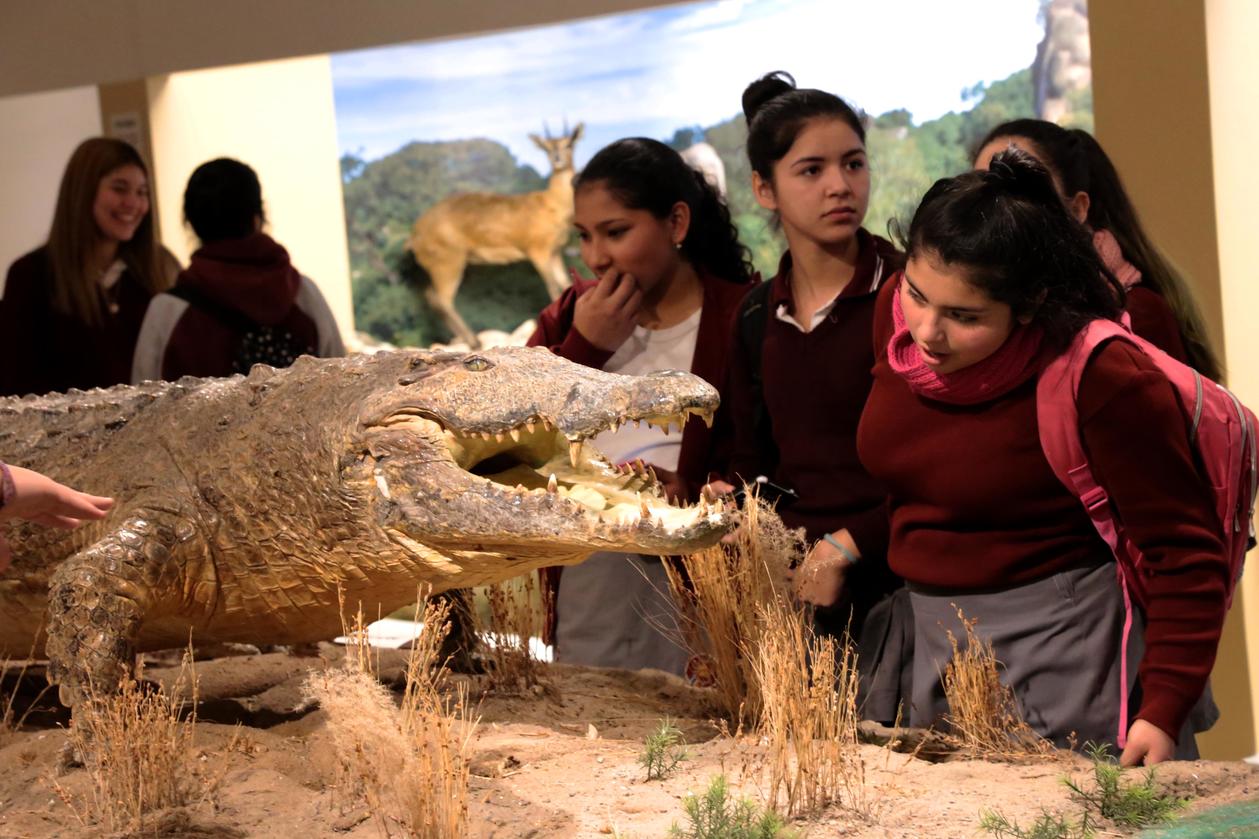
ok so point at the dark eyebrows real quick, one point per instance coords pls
(918, 291)
(815, 159)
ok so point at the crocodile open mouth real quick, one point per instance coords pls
(537, 457)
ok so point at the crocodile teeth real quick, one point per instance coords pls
(515, 434)
(552, 485)
(531, 425)
(708, 419)
(643, 509)
(708, 494)
(614, 426)
(574, 452)
(500, 437)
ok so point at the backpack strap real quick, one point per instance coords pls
(754, 315)
(234, 319)
(1058, 419)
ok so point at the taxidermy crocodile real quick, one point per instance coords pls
(247, 506)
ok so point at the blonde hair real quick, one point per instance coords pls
(74, 235)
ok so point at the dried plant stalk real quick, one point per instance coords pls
(983, 713)
(139, 755)
(409, 764)
(718, 597)
(514, 619)
(809, 715)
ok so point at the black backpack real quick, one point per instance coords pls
(257, 343)
(754, 317)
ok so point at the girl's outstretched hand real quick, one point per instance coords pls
(42, 500)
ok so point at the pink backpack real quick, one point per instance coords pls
(1221, 430)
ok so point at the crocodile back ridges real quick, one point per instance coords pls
(82, 420)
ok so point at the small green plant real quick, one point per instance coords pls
(1047, 826)
(714, 816)
(663, 751)
(1125, 804)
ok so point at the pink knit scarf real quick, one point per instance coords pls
(1014, 363)
(1108, 249)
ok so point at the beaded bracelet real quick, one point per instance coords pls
(847, 554)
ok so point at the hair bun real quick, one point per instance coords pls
(1019, 173)
(764, 89)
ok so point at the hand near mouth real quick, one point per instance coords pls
(607, 314)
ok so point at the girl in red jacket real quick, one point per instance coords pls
(1000, 278)
(670, 273)
(72, 308)
(1159, 301)
(801, 369)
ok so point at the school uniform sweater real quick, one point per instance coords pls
(252, 276)
(1152, 319)
(47, 351)
(975, 507)
(814, 387)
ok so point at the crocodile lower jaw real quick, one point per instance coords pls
(537, 459)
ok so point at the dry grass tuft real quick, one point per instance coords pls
(808, 715)
(408, 764)
(718, 598)
(983, 714)
(514, 617)
(146, 775)
(771, 672)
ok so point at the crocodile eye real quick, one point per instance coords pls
(477, 363)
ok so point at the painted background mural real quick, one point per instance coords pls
(420, 123)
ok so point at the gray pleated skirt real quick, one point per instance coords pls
(1058, 641)
(615, 610)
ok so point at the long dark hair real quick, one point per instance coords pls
(1081, 165)
(645, 174)
(74, 234)
(1009, 230)
(777, 112)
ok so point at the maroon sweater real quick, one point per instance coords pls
(1153, 320)
(47, 351)
(815, 385)
(975, 506)
(704, 451)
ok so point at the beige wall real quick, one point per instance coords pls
(40, 132)
(59, 43)
(1232, 30)
(1174, 98)
(278, 117)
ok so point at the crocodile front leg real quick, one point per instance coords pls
(99, 598)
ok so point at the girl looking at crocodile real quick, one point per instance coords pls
(1158, 299)
(801, 369)
(669, 274)
(72, 308)
(979, 520)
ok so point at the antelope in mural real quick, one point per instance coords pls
(494, 229)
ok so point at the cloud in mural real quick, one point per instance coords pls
(652, 71)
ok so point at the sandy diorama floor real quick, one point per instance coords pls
(561, 761)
